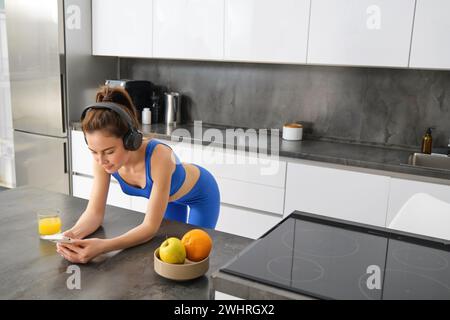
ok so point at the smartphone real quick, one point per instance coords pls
(57, 238)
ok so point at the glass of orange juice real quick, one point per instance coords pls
(49, 221)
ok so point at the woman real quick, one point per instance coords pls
(146, 168)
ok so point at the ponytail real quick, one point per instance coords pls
(108, 120)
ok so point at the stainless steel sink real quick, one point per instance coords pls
(431, 161)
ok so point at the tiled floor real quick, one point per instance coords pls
(3, 189)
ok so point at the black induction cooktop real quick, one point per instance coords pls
(336, 259)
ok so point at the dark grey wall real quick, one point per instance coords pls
(375, 105)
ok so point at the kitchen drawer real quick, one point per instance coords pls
(82, 187)
(245, 223)
(342, 194)
(251, 195)
(81, 155)
(231, 164)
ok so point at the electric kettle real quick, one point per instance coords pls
(172, 104)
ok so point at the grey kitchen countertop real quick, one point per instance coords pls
(30, 268)
(391, 159)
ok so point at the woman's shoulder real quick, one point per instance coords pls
(154, 144)
(161, 152)
(161, 149)
(149, 145)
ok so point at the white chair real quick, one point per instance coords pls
(424, 214)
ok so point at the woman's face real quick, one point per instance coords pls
(108, 151)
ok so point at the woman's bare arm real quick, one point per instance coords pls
(162, 168)
(92, 217)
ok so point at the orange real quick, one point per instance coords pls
(197, 243)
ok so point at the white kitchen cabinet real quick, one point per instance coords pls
(139, 204)
(250, 195)
(122, 28)
(266, 30)
(116, 197)
(243, 179)
(82, 187)
(82, 160)
(188, 29)
(245, 223)
(430, 43)
(361, 32)
(233, 164)
(402, 190)
(336, 193)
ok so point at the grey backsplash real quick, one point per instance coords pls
(367, 105)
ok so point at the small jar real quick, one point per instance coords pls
(292, 131)
(146, 116)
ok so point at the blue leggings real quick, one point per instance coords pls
(203, 201)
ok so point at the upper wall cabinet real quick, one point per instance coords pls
(122, 28)
(266, 30)
(361, 32)
(188, 29)
(431, 35)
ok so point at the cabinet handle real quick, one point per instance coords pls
(63, 113)
(65, 158)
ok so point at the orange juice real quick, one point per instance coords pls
(49, 225)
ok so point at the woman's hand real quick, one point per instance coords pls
(71, 234)
(81, 251)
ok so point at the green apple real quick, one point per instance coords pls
(172, 251)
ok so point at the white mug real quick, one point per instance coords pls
(292, 131)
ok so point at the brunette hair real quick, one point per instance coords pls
(108, 120)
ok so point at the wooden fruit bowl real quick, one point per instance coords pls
(180, 272)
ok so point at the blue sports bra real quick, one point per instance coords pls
(178, 175)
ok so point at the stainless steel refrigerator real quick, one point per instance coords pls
(53, 76)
